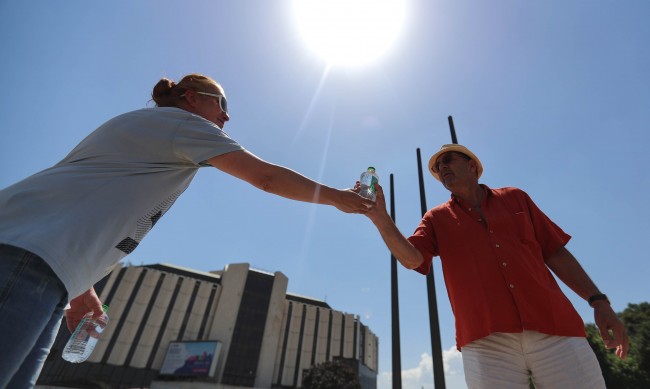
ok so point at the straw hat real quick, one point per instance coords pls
(457, 148)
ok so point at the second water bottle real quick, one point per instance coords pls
(85, 337)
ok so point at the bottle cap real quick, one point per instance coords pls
(105, 308)
(371, 169)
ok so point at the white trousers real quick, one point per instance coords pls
(505, 361)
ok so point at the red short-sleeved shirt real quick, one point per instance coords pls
(495, 269)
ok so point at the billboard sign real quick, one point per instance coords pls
(191, 359)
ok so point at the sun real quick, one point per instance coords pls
(349, 32)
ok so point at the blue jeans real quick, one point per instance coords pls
(32, 299)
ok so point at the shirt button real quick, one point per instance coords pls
(480, 220)
(504, 264)
(491, 232)
(497, 245)
(512, 286)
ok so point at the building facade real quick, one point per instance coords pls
(253, 332)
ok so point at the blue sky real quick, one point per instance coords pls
(554, 97)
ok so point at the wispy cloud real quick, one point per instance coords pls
(421, 376)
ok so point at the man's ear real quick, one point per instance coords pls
(473, 166)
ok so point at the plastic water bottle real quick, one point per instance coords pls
(85, 337)
(368, 180)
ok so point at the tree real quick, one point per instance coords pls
(330, 375)
(634, 371)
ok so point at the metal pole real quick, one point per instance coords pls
(397, 359)
(452, 129)
(436, 344)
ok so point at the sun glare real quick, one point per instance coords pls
(349, 32)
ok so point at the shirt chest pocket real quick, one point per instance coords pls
(523, 226)
(513, 224)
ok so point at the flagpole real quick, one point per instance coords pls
(397, 359)
(452, 129)
(436, 345)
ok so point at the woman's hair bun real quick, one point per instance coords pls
(162, 93)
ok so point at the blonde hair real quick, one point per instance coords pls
(167, 93)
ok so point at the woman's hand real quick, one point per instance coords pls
(80, 306)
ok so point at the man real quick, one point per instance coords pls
(496, 247)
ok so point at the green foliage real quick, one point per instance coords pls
(637, 321)
(634, 371)
(330, 375)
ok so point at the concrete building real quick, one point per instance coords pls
(172, 327)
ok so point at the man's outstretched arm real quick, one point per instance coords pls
(402, 249)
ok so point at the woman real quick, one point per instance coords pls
(66, 227)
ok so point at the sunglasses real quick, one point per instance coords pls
(223, 103)
(447, 158)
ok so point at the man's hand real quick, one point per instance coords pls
(611, 328)
(567, 268)
(80, 305)
(401, 248)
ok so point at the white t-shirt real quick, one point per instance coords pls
(90, 210)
